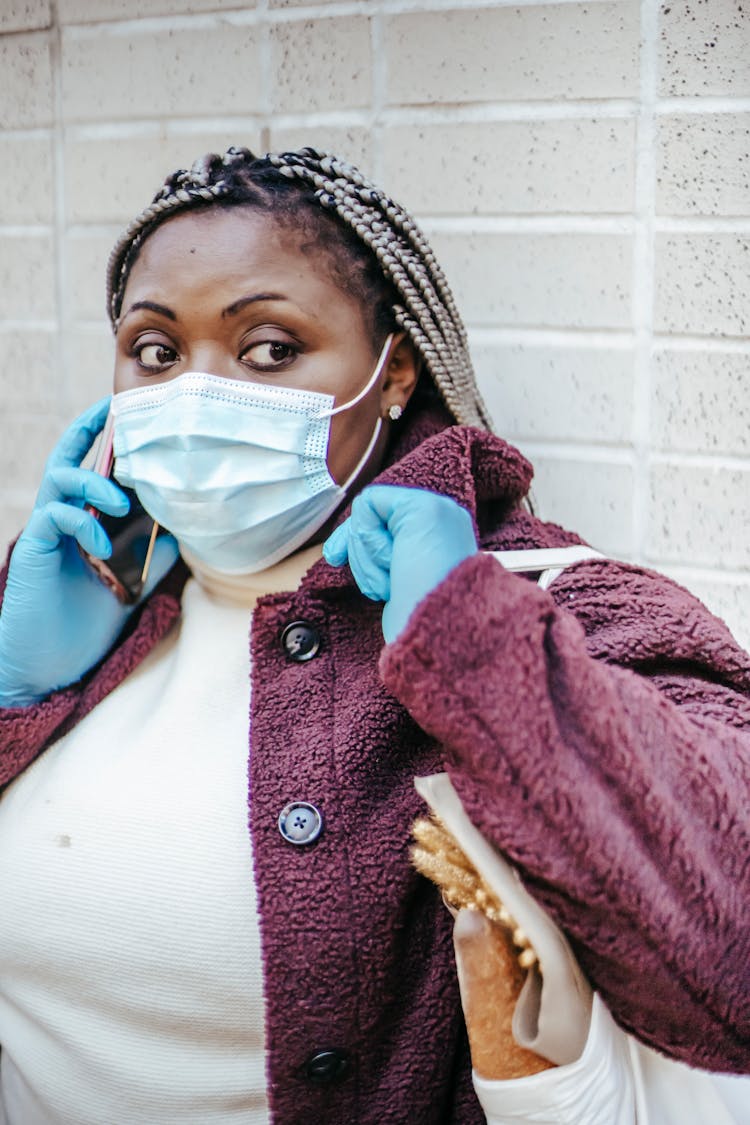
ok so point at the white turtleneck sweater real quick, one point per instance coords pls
(130, 966)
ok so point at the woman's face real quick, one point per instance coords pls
(232, 294)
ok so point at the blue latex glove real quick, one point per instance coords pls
(400, 543)
(58, 619)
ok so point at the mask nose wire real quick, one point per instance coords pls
(367, 387)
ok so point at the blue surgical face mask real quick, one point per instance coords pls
(236, 471)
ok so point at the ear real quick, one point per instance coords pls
(401, 374)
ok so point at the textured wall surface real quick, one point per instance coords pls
(583, 170)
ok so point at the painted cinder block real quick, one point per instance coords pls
(577, 394)
(29, 195)
(703, 163)
(698, 516)
(86, 254)
(704, 48)
(701, 402)
(111, 179)
(321, 64)
(701, 283)
(27, 441)
(575, 279)
(508, 167)
(27, 15)
(593, 498)
(89, 359)
(28, 362)
(208, 68)
(27, 276)
(532, 52)
(26, 92)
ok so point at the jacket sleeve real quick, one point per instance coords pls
(622, 796)
(26, 731)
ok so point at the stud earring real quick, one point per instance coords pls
(395, 411)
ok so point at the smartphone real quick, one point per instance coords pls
(132, 536)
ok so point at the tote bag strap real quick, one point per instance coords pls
(548, 562)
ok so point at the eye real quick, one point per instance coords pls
(267, 355)
(154, 357)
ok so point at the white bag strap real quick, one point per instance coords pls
(549, 561)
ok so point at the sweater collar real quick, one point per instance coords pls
(247, 589)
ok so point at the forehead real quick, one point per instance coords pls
(224, 253)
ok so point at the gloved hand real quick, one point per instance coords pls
(58, 619)
(400, 543)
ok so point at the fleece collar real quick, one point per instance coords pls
(470, 465)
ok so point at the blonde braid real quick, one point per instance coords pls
(429, 314)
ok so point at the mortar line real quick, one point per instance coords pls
(608, 339)
(692, 459)
(266, 76)
(643, 274)
(574, 450)
(58, 236)
(379, 86)
(243, 16)
(467, 113)
(517, 223)
(731, 576)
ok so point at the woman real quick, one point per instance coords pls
(285, 338)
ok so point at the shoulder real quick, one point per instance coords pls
(643, 620)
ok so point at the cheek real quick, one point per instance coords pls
(125, 377)
(120, 379)
(351, 433)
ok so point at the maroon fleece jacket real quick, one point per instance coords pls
(598, 733)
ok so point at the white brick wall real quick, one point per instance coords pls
(583, 170)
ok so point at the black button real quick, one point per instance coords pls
(325, 1067)
(300, 641)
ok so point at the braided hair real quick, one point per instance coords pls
(373, 247)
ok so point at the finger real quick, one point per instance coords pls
(420, 511)
(163, 559)
(393, 622)
(369, 559)
(66, 483)
(338, 549)
(336, 546)
(50, 524)
(390, 502)
(79, 436)
(370, 550)
(363, 542)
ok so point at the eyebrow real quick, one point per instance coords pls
(242, 302)
(152, 306)
(230, 310)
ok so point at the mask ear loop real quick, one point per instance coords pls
(353, 402)
(364, 458)
(367, 387)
